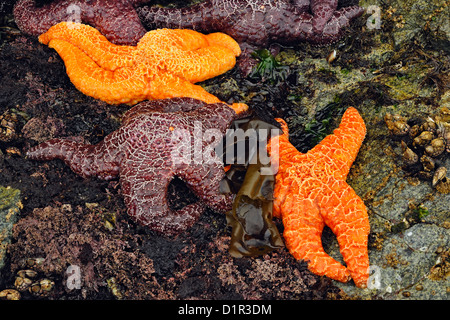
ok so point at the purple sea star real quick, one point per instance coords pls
(143, 153)
(258, 23)
(117, 20)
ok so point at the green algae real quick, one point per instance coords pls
(268, 68)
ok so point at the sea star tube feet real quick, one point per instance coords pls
(310, 192)
(165, 63)
(258, 23)
(117, 20)
(142, 154)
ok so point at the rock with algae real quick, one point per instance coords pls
(10, 206)
(394, 73)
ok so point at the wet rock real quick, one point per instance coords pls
(405, 260)
(408, 224)
(10, 206)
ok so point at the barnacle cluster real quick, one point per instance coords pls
(28, 280)
(425, 144)
(441, 268)
(8, 126)
(431, 17)
(390, 14)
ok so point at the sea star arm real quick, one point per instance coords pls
(89, 40)
(35, 20)
(169, 85)
(117, 19)
(204, 181)
(224, 40)
(194, 17)
(84, 159)
(339, 20)
(193, 56)
(280, 149)
(190, 40)
(322, 11)
(303, 226)
(344, 15)
(145, 195)
(346, 215)
(343, 145)
(97, 82)
(175, 105)
(285, 149)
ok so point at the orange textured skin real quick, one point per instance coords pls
(165, 63)
(311, 192)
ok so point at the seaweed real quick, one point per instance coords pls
(268, 69)
(253, 231)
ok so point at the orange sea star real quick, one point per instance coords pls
(311, 192)
(164, 64)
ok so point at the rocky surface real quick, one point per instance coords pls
(402, 68)
(10, 206)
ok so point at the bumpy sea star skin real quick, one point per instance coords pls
(117, 20)
(143, 151)
(311, 192)
(258, 23)
(164, 64)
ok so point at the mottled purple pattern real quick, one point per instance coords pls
(258, 22)
(117, 20)
(141, 153)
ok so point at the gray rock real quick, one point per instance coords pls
(403, 265)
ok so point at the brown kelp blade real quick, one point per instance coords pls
(253, 231)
